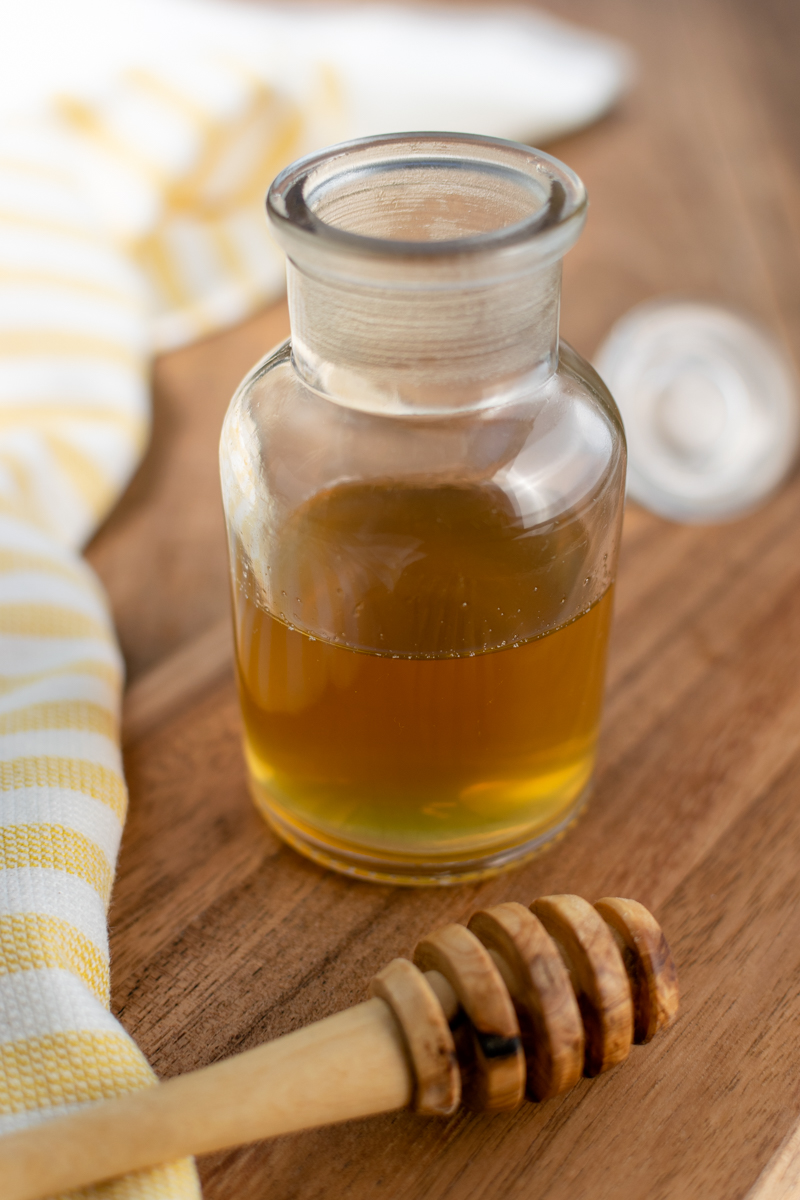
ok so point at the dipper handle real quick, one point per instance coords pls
(352, 1064)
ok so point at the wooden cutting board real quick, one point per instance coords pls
(221, 937)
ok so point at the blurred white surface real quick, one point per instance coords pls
(501, 71)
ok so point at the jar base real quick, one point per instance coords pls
(424, 871)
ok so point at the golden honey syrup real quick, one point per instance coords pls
(418, 706)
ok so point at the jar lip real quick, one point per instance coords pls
(551, 228)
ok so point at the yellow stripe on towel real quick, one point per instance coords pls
(32, 941)
(55, 343)
(60, 714)
(93, 780)
(61, 1069)
(59, 849)
(47, 620)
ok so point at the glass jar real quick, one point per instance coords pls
(423, 490)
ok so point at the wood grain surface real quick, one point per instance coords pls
(222, 937)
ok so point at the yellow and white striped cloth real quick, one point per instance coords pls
(131, 220)
(80, 303)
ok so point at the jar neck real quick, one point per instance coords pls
(396, 345)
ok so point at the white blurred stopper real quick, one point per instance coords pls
(710, 407)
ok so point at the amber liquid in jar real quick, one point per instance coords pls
(428, 687)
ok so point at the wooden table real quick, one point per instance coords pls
(221, 937)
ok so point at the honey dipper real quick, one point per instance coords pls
(519, 1000)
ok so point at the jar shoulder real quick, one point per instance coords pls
(577, 368)
(539, 480)
(567, 433)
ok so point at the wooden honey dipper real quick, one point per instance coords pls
(519, 1000)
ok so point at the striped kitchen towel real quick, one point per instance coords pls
(179, 248)
(131, 220)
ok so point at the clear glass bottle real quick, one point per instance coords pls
(423, 490)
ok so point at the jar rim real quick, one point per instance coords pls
(550, 228)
